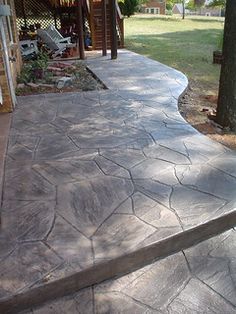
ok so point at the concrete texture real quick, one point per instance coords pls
(198, 280)
(101, 183)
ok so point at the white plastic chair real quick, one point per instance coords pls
(54, 40)
(56, 36)
(28, 48)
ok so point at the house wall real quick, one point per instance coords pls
(209, 11)
(14, 53)
(152, 5)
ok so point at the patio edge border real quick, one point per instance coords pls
(118, 266)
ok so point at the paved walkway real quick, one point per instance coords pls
(92, 176)
(199, 280)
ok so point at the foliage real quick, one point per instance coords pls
(128, 7)
(190, 5)
(28, 72)
(41, 62)
(25, 75)
(199, 3)
(194, 4)
(170, 4)
(169, 12)
(217, 3)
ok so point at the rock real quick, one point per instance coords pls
(54, 69)
(58, 73)
(64, 82)
(46, 85)
(21, 85)
(55, 79)
(32, 85)
(205, 110)
(63, 65)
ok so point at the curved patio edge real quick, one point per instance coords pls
(118, 177)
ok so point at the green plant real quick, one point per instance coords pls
(128, 7)
(25, 75)
(33, 69)
(169, 12)
(41, 62)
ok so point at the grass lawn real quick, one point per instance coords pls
(186, 45)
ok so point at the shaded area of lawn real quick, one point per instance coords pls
(185, 45)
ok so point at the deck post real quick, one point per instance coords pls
(104, 27)
(80, 30)
(114, 43)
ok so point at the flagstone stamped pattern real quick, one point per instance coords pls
(201, 279)
(91, 176)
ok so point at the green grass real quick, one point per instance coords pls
(186, 45)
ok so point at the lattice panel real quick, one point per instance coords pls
(35, 12)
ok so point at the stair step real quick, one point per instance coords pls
(174, 278)
(119, 265)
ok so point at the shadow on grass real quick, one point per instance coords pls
(187, 51)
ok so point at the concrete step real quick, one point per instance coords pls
(120, 265)
(200, 279)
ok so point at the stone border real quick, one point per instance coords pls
(118, 266)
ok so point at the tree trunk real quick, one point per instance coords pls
(226, 108)
(183, 4)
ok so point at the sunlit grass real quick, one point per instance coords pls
(186, 45)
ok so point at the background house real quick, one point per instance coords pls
(178, 9)
(154, 7)
(208, 11)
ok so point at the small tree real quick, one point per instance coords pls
(128, 7)
(170, 4)
(199, 3)
(217, 3)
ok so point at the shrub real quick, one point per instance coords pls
(34, 69)
(128, 7)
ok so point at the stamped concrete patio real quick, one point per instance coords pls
(101, 183)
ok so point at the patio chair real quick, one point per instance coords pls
(54, 40)
(56, 36)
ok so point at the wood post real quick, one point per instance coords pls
(104, 28)
(80, 30)
(114, 43)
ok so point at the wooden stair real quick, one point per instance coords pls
(95, 19)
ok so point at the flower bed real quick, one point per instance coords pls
(40, 76)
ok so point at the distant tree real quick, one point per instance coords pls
(128, 7)
(226, 107)
(199, 3)
(190, 5)
(170, 4)
(217, 3)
